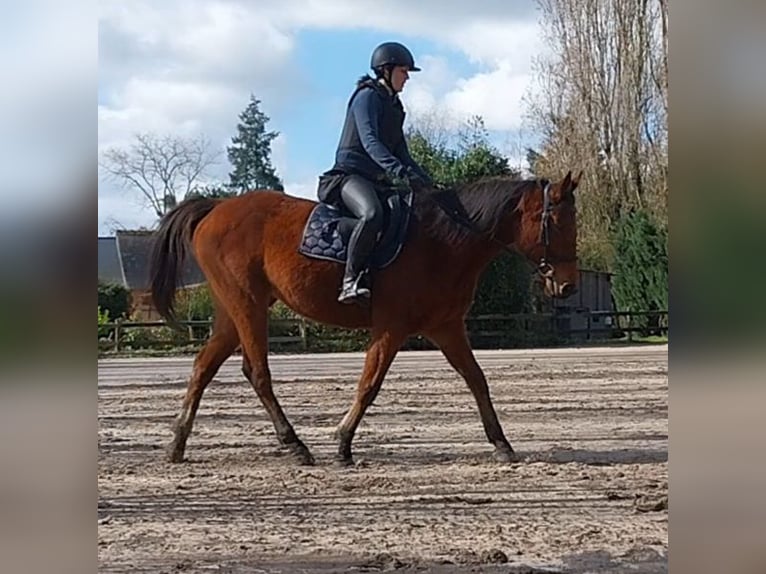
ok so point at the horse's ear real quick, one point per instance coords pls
(576, 181)
(567, 182)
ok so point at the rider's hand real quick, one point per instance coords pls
(416, 182)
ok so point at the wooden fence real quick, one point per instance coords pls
(571, 326)
(484, 330)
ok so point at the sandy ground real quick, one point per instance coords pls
(425, 495)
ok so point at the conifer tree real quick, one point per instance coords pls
(250, 152)
(641, 267)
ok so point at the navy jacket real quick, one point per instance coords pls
(372, 142)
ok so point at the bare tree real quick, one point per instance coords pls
(434, 125)
(162, 168)
(600, 104)
(113, 224)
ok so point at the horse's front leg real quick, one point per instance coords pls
(453, 341)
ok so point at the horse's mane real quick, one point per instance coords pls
(482, 202)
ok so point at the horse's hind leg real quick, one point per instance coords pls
(252, 324)
(216, 350)
(247, 369)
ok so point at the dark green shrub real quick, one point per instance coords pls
(114, 299)
(640, 280)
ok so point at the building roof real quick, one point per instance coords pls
(125, 259)
(109, 269)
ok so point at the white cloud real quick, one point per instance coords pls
(437, 18)
(195, 41)
(423, 96)
(505, 41)
(495, 95)
(187, 108)
(505, 49)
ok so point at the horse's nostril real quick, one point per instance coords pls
(568, 289)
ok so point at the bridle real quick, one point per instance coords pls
(544, 268)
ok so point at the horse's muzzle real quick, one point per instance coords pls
(551, 286)
(558, 290)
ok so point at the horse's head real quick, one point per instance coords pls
(548, 234)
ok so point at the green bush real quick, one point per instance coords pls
(194, 304)
(504, 287)
(113, 299)
(320, 337)
(152, 338)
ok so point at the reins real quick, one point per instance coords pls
(457, 214)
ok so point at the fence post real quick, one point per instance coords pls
(587, 336)
(630, 327)
(117, 333)
(302, 332)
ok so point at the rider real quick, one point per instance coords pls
(372, 149)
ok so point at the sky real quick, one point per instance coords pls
(189, 67)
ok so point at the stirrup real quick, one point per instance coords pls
(354, 289)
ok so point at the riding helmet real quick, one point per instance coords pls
(394, 54)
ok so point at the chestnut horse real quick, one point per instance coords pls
(247, 247)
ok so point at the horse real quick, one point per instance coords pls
(246, 246)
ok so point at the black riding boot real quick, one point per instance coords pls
(361, 199)
(356, 279)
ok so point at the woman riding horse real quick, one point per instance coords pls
(372, 150)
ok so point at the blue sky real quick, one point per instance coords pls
(189, 67)
(330, 63)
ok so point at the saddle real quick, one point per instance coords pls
(329, 227)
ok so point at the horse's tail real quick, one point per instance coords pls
(171, 248)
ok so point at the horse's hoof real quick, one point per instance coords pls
(344, 461)
(305, 459)
(505, 455)
(174, 454)
(302, 455)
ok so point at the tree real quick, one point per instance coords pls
(600, 105)
(162, 168)
(210, 190)
(250, 152)
(472, 157)
(641, 268)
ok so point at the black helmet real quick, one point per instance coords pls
(395, 54)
